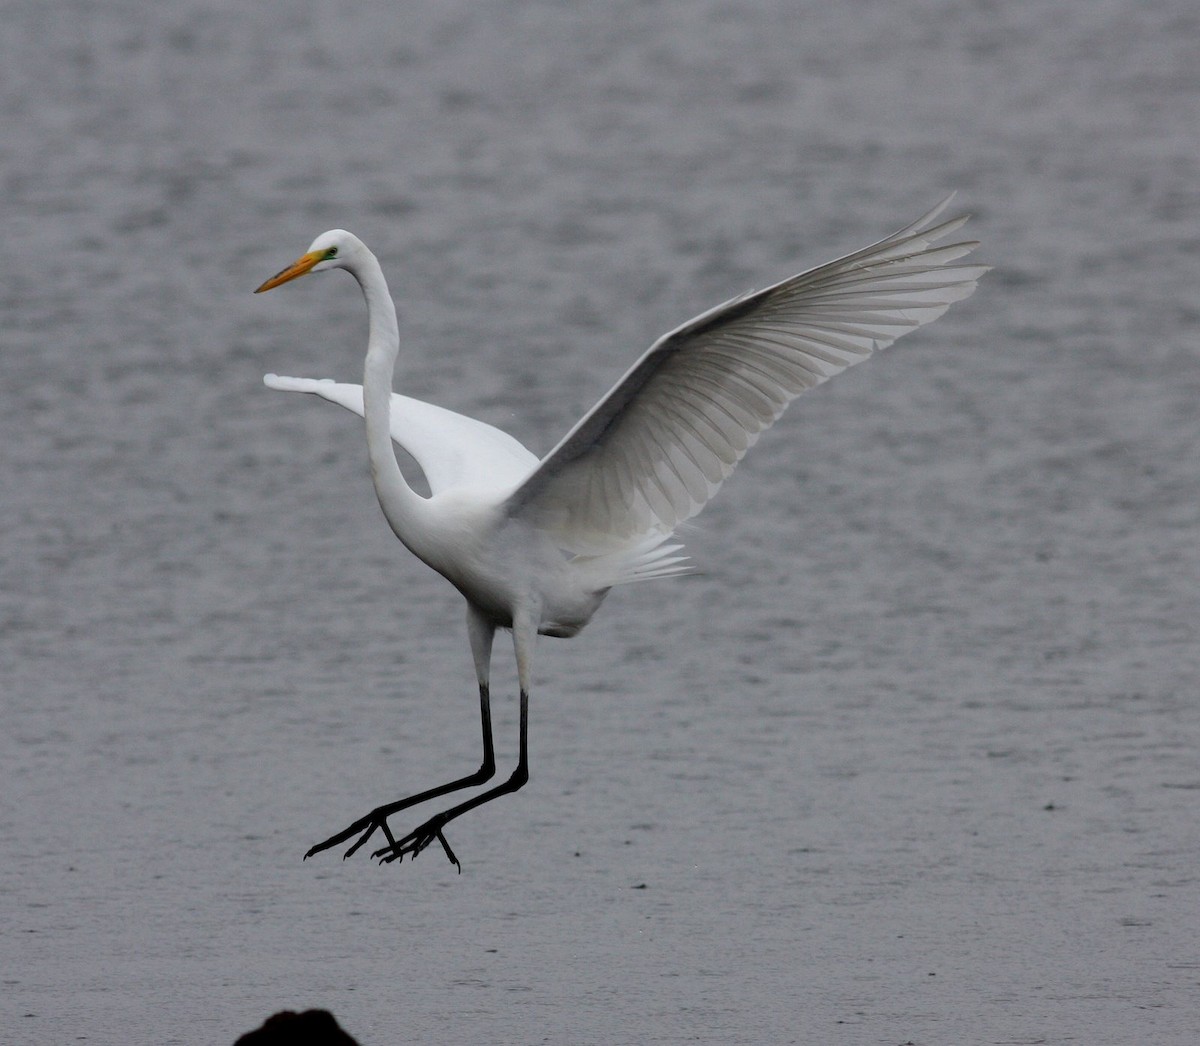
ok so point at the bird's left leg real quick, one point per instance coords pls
(524, 636)
(480, 631)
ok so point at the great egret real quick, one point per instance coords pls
(535, 545)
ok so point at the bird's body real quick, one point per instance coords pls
(534, 545)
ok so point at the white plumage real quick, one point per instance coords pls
(533, 544)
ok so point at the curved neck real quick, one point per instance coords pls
(400, 503)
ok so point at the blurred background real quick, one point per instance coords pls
(912, 759)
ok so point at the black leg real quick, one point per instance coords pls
(418, 839)
(377, 818)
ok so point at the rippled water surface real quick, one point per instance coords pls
(913, 759)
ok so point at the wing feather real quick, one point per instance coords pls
(657, 447)
(453, 450)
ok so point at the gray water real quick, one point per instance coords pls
(913, 759)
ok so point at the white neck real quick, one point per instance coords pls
(400, 503)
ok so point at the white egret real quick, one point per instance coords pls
(535, 545)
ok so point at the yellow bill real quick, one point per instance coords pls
(298, 268)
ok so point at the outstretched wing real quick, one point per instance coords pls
(657, 447)
(452, 449)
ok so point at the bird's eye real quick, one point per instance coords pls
(331, 253)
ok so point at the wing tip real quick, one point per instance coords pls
(283, 383)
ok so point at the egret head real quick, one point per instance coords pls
(335, 249)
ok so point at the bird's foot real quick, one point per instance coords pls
(364, 827)
(416, 841)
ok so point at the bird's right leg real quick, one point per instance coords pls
(481, 633)
(524, 635)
